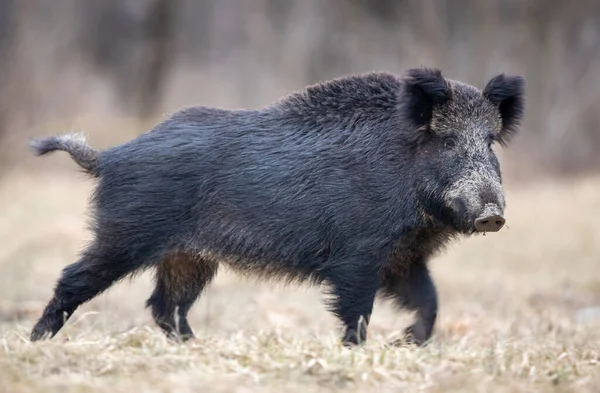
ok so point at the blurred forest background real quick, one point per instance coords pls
(113, 67)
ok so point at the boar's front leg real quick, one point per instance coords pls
(354, 283)
(414, 290)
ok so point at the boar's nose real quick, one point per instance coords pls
(489, 222)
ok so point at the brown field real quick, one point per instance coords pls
(520, 311)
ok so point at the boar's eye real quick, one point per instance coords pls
(449, 143)
(491, 139)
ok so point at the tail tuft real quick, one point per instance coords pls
(74, 144)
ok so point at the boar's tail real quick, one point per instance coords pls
(74, 144)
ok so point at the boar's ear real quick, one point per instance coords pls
(426, 88)
(508, 93)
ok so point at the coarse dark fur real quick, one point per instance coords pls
(355, 182)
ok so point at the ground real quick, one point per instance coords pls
(519, 311)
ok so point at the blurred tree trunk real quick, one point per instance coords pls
(7, 36)
(16, 92)
(158, 34)
(132, 45)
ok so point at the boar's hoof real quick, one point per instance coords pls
(351, 338)
(415, 335)
(43, 330)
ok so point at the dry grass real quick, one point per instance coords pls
(513, 312)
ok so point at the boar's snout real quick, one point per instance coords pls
(490, 220)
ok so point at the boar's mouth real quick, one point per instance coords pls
(462, 220)
(468, 221)
(465, 216)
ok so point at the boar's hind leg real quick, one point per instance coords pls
(354, 285)
(81, 281)
(415, 291)
(180, 279)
